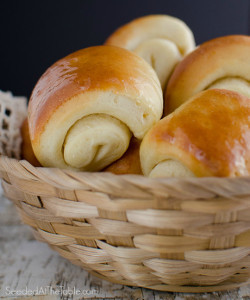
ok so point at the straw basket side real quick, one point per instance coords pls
(189, 235)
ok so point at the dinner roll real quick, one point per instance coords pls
(209, 135)
(219, 63)
(160, 39)
(129, 163)
(85, 108)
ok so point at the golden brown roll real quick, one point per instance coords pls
(85, 108)
(129, 163)
(219, 63)
(209, 135)
(160, 39)
(26, 147)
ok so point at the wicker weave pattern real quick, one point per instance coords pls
(188, 235)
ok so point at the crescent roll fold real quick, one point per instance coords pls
(160, 39)
(222, 63)
(85, 108)
(209, 135)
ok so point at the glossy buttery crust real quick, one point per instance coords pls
(209, 134)
(108, 83)
(98, 68)
(224, 57)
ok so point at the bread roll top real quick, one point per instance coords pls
(161, 40)
(218, 59)
(209, 135)
(132, 34)
(85, 107)
(100, 68)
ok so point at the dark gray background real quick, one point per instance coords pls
(34, 34)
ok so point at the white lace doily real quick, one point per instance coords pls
(13, 111)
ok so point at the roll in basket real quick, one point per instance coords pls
(189, 235)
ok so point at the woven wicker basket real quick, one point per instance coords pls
(189, 235)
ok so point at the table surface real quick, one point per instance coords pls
(28, 267)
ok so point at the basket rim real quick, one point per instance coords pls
(25, 164)
(71, 179)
